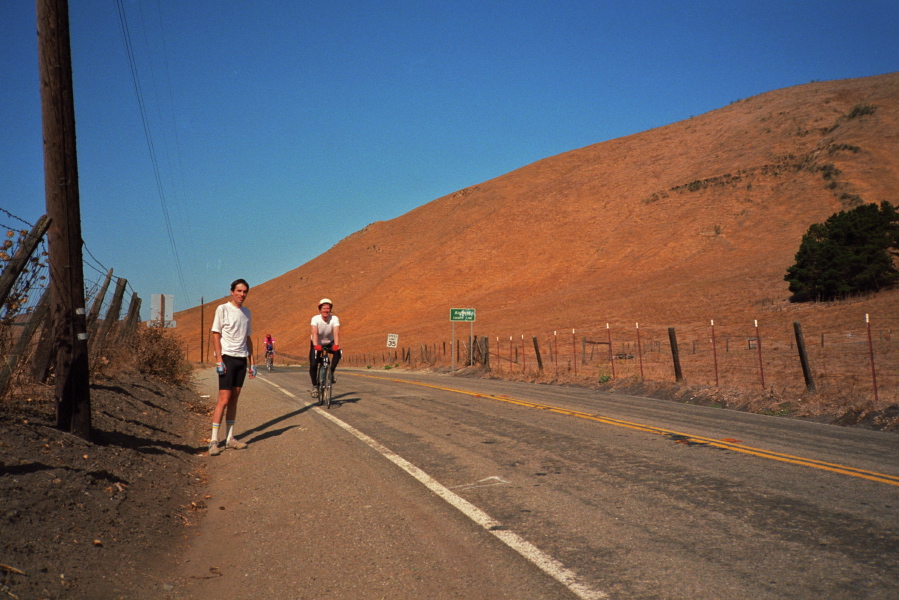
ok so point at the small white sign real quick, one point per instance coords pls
(392, 339)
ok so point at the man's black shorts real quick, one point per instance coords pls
(235, 372)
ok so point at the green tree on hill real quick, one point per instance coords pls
(851, 252)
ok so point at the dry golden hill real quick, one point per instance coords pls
(694, 220)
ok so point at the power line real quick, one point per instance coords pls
(126, 36)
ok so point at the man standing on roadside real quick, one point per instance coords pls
(231, 338)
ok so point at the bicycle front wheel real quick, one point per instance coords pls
(323, 382)
(327, 398)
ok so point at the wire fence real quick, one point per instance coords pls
(26, 343)
(850, 358)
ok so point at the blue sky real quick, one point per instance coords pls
(280, 127)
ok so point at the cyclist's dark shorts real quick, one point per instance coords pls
(236, 372)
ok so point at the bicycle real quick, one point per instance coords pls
(269, 361)
(324, 380)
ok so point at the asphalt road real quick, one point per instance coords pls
(429, 486)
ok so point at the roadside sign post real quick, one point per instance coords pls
(462, 314)
(392, 339)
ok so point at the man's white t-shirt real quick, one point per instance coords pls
(325, 330)
(234, 325)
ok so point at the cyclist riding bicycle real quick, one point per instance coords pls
(324, 337)
(269, 344)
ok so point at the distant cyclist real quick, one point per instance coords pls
(269, 344)
(325, 337)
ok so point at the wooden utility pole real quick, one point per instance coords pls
(69, 325)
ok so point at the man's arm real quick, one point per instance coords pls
(337, 335)
(314, 331)
(217, 345)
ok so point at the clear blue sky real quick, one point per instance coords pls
(280, 127)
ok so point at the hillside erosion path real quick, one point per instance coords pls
(308, 511)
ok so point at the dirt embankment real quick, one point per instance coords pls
(94, 519)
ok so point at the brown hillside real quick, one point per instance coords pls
(695, 220)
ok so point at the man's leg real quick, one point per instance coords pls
(313, 365)
(335, 358)
(230, 418)
(223, 403)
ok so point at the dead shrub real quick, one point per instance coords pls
(159, 353)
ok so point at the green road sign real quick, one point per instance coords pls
(462, 314)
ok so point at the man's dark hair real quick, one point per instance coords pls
(237, 282)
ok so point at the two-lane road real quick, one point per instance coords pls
(639, 498)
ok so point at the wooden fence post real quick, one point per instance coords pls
(639, 351)
(714, 352)
(20, 260)
(524, 363)
(537, 352)
(675, 354)
(871, 351)
(803, 357)
(556, 351)
(611, 354)
(131, 320)
(574, 350)
(112, 317)
(94, 313)
(12, 360)
(758, 345)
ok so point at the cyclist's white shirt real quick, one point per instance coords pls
(325, 330)
(234, 325)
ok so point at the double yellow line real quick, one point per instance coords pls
(679, 437)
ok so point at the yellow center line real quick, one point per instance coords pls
(733, 446)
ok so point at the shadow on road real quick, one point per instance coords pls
(266, 425)
(340, 400)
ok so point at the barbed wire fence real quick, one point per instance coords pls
(25, 341)
(851, 358)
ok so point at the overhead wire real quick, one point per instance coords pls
(126, 36)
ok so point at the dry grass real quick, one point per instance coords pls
(672, 227)
(158, 352)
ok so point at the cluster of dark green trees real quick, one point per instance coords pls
(852, 252)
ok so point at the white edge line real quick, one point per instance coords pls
(546, 563)
(283, 391)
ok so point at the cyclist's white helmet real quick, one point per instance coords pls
(324, 301)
